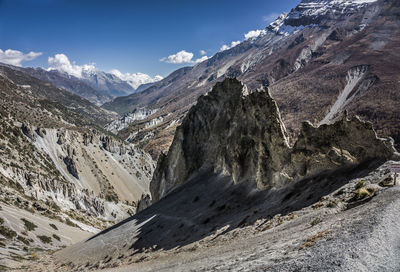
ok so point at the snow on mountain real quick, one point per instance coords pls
(136, 79)
(114, 83)
(309, 13)
(280, 27)
(322, 7)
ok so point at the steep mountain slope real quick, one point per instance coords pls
(94, 85)
(320, 59)
(73, 108)
(58, 166)
(253, 204)
(69, 83)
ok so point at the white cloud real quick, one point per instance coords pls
(179, 58)
(61, 63)
(203, 58)
(269, 18)
(15, 57)
(136, 79)
(226, 47)
(254, 34)
(184, 57)
(203, 52)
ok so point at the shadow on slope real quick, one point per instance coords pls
(209, 202)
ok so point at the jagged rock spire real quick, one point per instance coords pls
(244, 137)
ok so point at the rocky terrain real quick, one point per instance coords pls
(273, 155)
(255, 203)
(62, 176)
(319, 60)
(243, 136)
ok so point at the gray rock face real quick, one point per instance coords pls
(242, 135)
(27, 131)
(70, 164)
(143, 203)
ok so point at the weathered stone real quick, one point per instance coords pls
(41, 132)
(61, 137)
(242, 135)
(143, 203)
(28, 131)
(70, 163)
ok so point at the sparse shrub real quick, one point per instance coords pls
(28, 224)
(45, 239)
(7, 232)
(70, 223)
(332, 204)
(55, 236)
(360, 184)
(23, 240)
(1, 221)
(53, 226)
(362, 193)
(315, 222)
(55, 207)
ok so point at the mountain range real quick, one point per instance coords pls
(273, 155)
(319, 60)
(92, 84)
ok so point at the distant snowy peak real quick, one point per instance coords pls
(136, 79)
(322, 7)
(309, 13)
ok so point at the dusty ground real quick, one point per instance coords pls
(17, 253)
(362, 239)
(336, 233)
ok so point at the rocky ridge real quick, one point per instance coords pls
(241, 134)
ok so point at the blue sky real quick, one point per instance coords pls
(131, 36)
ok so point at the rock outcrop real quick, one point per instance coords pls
(242, 135)
(143, 203)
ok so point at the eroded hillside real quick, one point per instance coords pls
(59, 168)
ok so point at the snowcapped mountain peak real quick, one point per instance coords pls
(321, 7)
(280, 27)
(114, 83)
(135, 79)
(309, 13)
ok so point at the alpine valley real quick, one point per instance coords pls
(276, 154)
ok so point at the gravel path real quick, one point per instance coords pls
(365, 238)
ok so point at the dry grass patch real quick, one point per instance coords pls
(311, 241)
(362, 193)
